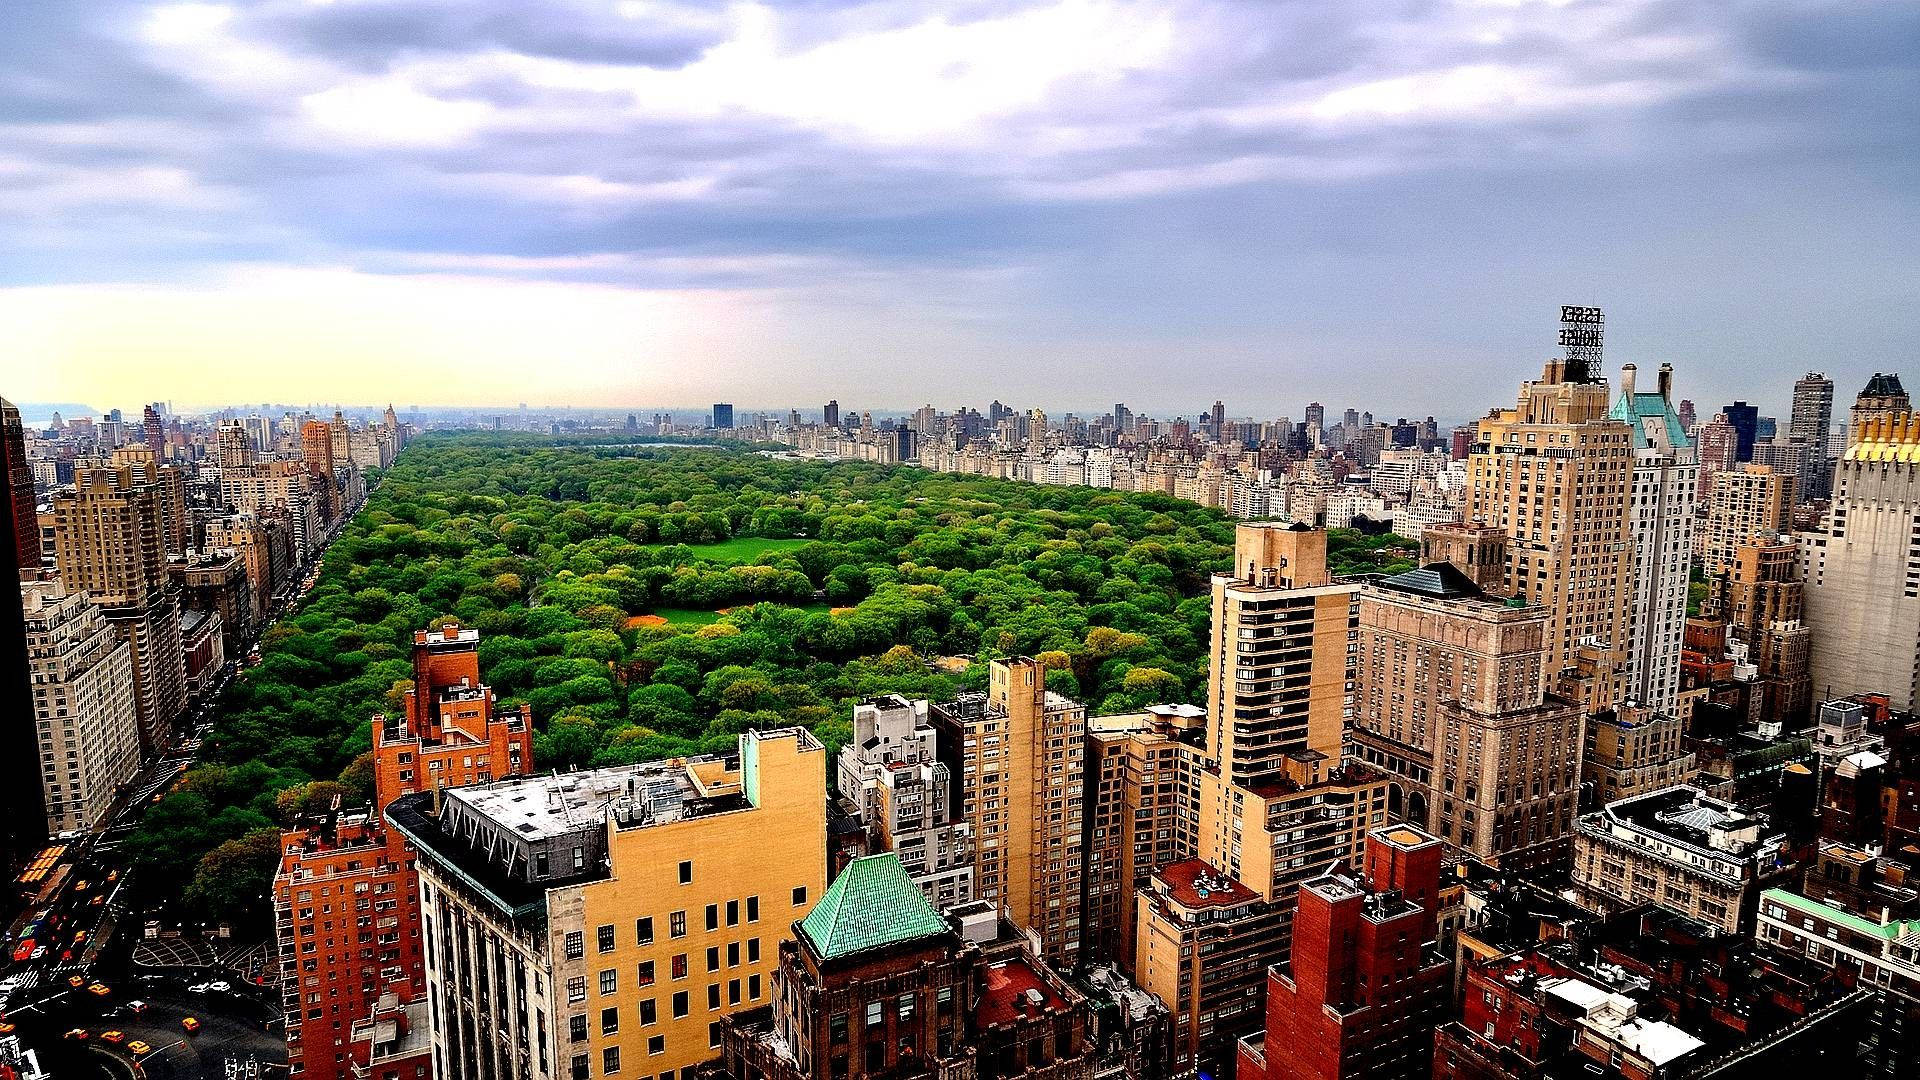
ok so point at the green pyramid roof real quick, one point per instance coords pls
(870, 905)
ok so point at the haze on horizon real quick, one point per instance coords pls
(1052, 202)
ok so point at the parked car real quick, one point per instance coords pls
(190, 1025)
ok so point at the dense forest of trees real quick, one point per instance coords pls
(839, 581)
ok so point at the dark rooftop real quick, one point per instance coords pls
(1440, 580)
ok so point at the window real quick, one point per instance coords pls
(837, 1028)
(713, 958)
(753, 987)
(610, 1021)
(609, 981)
(713, 916)
(657, 1044)
(753, 950)
(648, 1014)
(643, 931)
(713, 996)
(680, 966)
(681, 1005)
(577, 1028)
(576, 945)
(713, 1034)
(733, 991)
(733, 954)
(605, 938)
(677, 924)
(874, 1011)
(643, 974)
(581, 1070)
(576, 989)
(733, 913)
(753, 909)
(686, 872)
(610, 1060)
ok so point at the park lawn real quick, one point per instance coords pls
(744, 550)
(693, 617)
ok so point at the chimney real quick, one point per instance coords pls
(1626, 380)
(1666, 381)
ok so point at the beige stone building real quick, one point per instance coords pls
(1633, 750)
(83, 700)
(1143, 812)
(1862, 571)
(1743, 503)
(1704, 858)
(1451, 701)
(1020, 749)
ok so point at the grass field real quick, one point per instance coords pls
(744, 550)
(691, 617)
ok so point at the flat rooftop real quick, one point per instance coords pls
(1195, 884)
(1012, 990)
(540, 807)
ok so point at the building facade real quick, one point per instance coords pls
(1702, 857)
(904, 797)
(1666, 476)
(1746, 502)
(83, 701)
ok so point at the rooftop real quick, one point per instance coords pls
(1014, 989)
(1440, 580)
(871, 905)
(1195, 884)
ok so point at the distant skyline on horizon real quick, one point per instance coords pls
(597, 202)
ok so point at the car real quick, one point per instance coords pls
(114, 1036)
(221, 985)
(190, 1025)
(39, 953)
(76, 981)
(136, 1006)
(23, 952)
(199, 988)
(80, 938)
(78, 1035)
(99, 990)
(6, 1027)
(138, 1048)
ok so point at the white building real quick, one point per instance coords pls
(892, 776)
(1666, 475)
(83, 698)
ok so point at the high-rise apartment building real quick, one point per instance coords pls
(83, 706)
(1633, 750)
(1705, 858)
(23, 520)
(1204, 944)
(1811, 421)
(109, 540)
(1018, 750)
(346, 894)
(316, 447)
(1762, 598)
(903, 796)
(1280, 660)
(152, 432)
(1744, 503)
(1451, 701)
(1883, 397)
(723, 416)
(1717, 446)
(607, 922)
(236, 449)
(1556, 473)
(1367, 982)
(23, 819)
(1666, 475)
(1142, 813)
(1745, 419)
(830, 414)
(1862, 572)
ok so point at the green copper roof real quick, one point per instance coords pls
(1644, 412)
(871, 904)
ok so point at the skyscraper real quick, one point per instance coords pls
(153, 433)
(830, 414)
(1882, 396)
(109, 539)
(722, 416)
(83, 706)
(1217, 421)
(23, 818)
(1812, 424)
(1556, 473)
(1316, 418)
(1862, 578)
(1742, 504)
(1666, 475)
(236, 447)
(1745, 419)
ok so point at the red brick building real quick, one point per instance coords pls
(1365, 985)
(346, 896)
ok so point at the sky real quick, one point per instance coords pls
(1063, 203)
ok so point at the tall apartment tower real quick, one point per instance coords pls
(1743, 503)
(1556, 472)
(1883, 396)
(1812, 423)
(903, 795)
(1018, 749)
(1452, 702)
(23, 818)
(723, 416)
(1863, 573)
(1763, 600)
(316, 446)
(83, 706)
(606, 923)
(236, 447)
(109, 540)
(1280, 661)
(1666, 477)
(23, 519)
(152, 432)
(830, 414)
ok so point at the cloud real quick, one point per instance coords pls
(1289, 185)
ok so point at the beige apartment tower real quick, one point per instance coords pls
(1019, 748)
(1555, 473)
(1744, 503)
(83, 698)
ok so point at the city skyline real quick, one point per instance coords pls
(670, 202)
